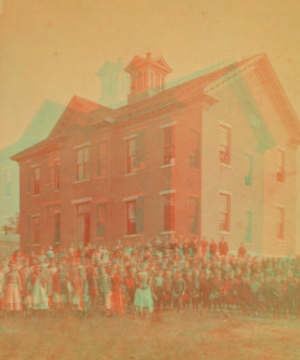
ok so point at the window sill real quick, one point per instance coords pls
(280, 182)
(130, 174)
(36, 195)
(100, 177)
(224, 232)
(249, 186)
(281, 240)
(80, 181)
(133, 235)
(168, 165)
(99, 238)
(57, 190)
(168, 232)
(35, 244)
(193, 168)
(225, 165)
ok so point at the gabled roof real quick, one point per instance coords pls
(87, 113)
(38, 129)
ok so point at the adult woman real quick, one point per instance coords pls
(143, 299)
(12, 289)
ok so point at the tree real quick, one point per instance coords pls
(12, 225)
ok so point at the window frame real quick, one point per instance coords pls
(228, 196)
(37, 181)
(248, 229)
(170, 153)
(100, 160)
(82, 167)
(171, 222)
(103, 205)
(228, 152)
(195, 217)
(196, 151)
(250, 171)
(281, 236)
(280, 175)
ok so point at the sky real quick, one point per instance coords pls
(52, 49)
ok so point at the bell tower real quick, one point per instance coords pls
(147, 76)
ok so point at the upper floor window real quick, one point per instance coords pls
(8, 182)
(53, 169)
(36, 181)
(28, 178)
(224, 145)
(82, 164)
(193, 215)
(248, 170)
(135, 152)
(224, 212)
(194, 144)
(135, 216)
(280, 165)
(102, 159)
(168, 145)
(280, 223)
(168, 212)
(248, 227)
(101, 220)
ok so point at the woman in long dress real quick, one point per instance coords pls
(79, 291)
(104, 287)
(60, 289)
(143, 298)
(36, 293)
(13, 289)
(117, 300)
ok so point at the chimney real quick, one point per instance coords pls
(148, 55)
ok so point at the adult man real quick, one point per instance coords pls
(223, 247)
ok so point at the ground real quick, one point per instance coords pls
(164, 336)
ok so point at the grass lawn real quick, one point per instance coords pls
(164, 336)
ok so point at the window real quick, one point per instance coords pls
(280, 223)
(135, 152)
(224, 145)
(168, 212)
(130, 155)
(248, 170)
(83, 224)
(7, 183)
(101, 220)
(53, 169)
(194, 144)
(36, 181)
(82, 164)
(28, 229)
(169, 148)
(248, 227)
(193, 215)
(28, 180)
(36, 230)
(280, 165)
(224, 212)
(53, 224)
(102, 159)
(135, 216)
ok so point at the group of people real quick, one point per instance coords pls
(146, 276)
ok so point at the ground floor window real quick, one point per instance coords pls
(135, 216)
(83, 220)
(101, 220)
(193, 216)
(168, 212)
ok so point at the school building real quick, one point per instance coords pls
(212, 156)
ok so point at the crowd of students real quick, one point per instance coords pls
(149, 276)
